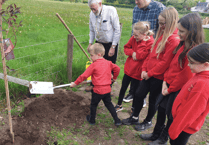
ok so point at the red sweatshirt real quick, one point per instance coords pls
(142, 48)
(100, 72)
(176, 76)
(156, 67)
(191, 106)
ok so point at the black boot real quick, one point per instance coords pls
(162, 140)
(154, 135)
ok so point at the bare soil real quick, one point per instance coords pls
(67, 109)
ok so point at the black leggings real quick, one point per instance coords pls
(182, 139)
(161, 117)
(152, 85)
(126, 81)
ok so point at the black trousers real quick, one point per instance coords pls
(107, 47)
(165, 108)
(125, 82)
(152, 85)
(96, 98)
(182, 139)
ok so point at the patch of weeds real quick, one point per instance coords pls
(126, 142)
(18, 109)
(207, 117)
(99, 107)
(75, 89)
(108, 122)
(101, 115)
(109, 132)
(2, 123)
(107, 138)
(60, 137)
(85, 132)
(203, 142)
(88, 141)
(124, 110)
(121, 130)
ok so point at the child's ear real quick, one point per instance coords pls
(99, 54)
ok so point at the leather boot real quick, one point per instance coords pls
(154, 135)
(162, 140)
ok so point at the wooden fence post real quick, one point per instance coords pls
(70, 56)
(5, 75)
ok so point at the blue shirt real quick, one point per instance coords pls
(150, 14)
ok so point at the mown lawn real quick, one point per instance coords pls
(40, 53)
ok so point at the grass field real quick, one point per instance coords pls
(40, 53)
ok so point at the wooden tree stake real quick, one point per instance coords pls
(5, 75)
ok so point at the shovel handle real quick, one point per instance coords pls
(66, 85)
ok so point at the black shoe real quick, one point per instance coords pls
(88, 117)
(128, 98)
(150, 136)
(143, 126)
(130, 121)
(158, 142)
(118, 123)
(162, 140)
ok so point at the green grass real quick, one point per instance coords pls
(40, 53)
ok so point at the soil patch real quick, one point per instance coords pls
(67, 110)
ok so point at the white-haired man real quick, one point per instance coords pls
(104, 26)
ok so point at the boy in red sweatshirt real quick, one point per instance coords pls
(101, 72)
(191, 106)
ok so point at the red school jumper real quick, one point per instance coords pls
(191, 106)
(156, 67)
(176, 76)
(100, 72)
(133, 68)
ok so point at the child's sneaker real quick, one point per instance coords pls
(88, 117)
(118, 108)
(130, 121)
(118, 123)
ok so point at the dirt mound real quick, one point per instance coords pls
(61, 109)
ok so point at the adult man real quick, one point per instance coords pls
(146, 10)
(105, 28)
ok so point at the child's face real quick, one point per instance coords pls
(195, 66)
(138, 36)
(94, 57)
(183, 32)
(161, 22)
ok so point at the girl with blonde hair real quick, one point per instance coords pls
(154, 67)
(137, 49)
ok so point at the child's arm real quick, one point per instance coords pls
(116, 71)
(180, 79)
(162, 66)
(144, 49)
(128, 47)
(187, 114)
(88, 72)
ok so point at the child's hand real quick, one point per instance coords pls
(113, 80)
(165, 92)
(164, 86)
(134, 56)
(72, 85)
(142, 74)
(146, 77)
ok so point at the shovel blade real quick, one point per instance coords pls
(37, 87)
